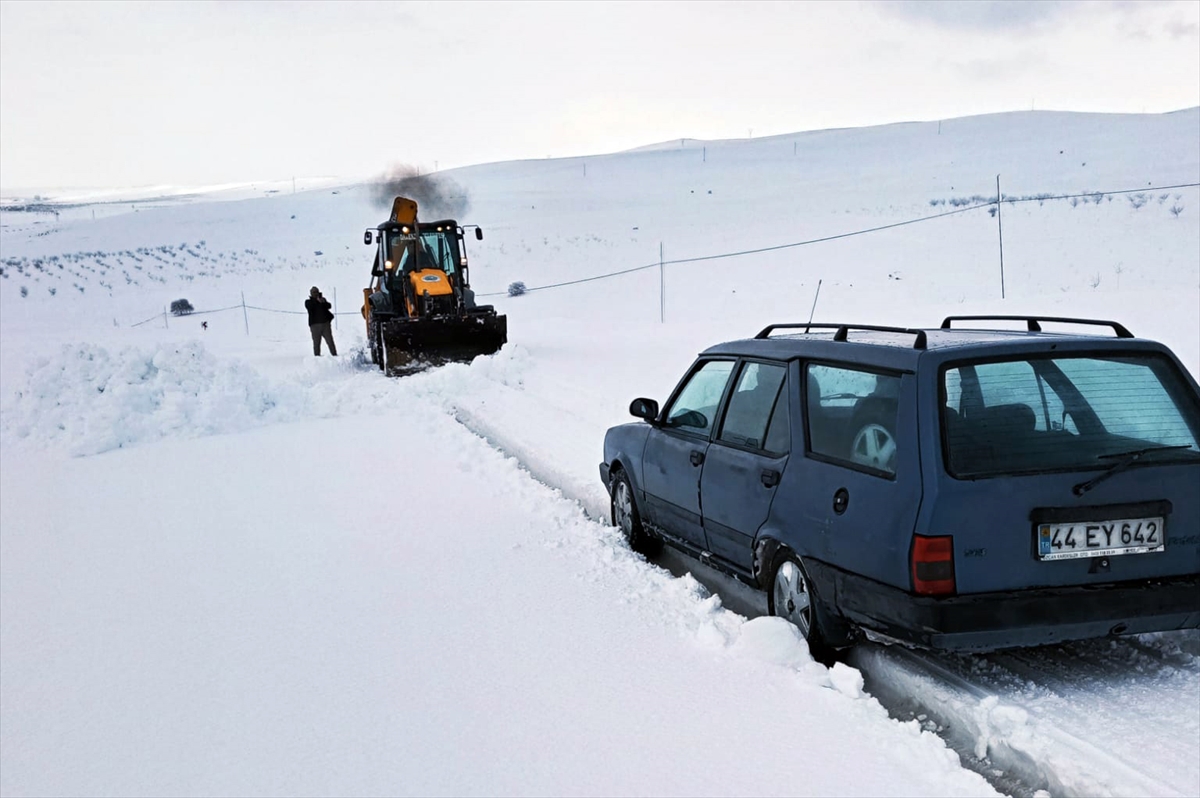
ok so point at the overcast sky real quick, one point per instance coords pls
(124, 94)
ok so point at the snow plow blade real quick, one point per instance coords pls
(414, 344)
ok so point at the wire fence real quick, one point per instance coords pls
(991, 203)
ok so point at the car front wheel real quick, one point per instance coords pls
(625, 516)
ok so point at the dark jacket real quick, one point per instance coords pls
(318, 310)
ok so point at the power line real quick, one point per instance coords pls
(977, 206)
(657, 264)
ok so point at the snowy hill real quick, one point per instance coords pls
(228, 566)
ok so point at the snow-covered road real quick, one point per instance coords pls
(366, 574)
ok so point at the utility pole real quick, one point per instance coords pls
(1000, 230)
(662, 287)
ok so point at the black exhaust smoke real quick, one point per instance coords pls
(437, 196)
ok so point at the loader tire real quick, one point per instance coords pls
(377, 347)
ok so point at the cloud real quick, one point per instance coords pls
(983, 15)
(1182, 30)
(1000, 68)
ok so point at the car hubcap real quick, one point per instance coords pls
(874, 446)
(792, 598)
(623, 509)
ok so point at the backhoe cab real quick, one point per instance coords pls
(419, 308)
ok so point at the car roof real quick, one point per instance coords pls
(901, 347)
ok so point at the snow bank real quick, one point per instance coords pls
(91, 400)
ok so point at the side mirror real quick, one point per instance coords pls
(376, 272)
(646, 409)
(367, 237)
(478, 233)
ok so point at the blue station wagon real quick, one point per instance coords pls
(955, 488)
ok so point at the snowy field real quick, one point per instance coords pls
(230, 568)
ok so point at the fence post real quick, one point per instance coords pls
(166, 324)
(335, 324)
(1000, 230)
(245, 315)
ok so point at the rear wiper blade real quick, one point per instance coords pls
(1124, 460)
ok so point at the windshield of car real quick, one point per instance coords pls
(1065, 413)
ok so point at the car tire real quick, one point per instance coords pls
(874, 441)
(790, 596)
(625, 516)
(874, 445)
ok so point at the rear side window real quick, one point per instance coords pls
(1064, 413)
(852, 416)
(753, 409)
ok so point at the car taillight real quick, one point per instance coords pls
(933, 565)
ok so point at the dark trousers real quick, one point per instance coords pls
(320, 331)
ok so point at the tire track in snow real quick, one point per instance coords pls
(986, 716)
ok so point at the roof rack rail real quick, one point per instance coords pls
(843, 329)
(1033, 323)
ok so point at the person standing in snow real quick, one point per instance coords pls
(320, 319)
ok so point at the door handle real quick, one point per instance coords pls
(770, 478)
(696, 456)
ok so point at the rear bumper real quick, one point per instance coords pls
(988, 621)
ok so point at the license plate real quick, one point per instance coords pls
(1100, 538)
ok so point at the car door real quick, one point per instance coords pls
(860, 470)
(745, 462)
(673, 459)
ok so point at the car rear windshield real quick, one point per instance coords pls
(1066, 413)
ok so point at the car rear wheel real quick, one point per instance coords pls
(625, 516)
(791, 597)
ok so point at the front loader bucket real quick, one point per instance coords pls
(414, 344)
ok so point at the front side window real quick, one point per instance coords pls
(696, 405)
(1062, 413)
(852, 416)
(752, 409)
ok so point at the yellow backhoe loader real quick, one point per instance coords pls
(419, 308)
